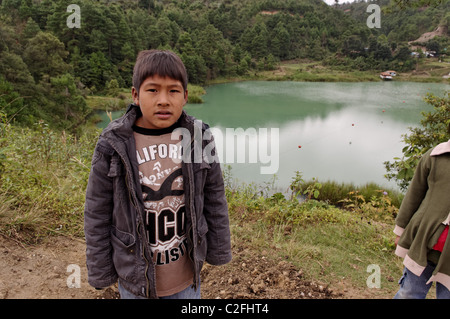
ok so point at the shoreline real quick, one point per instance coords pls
(314, 71)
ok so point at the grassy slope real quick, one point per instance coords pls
(331, 245)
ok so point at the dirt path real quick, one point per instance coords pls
(44, 272)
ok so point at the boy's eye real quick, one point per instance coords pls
(151, 90)
(175, 91)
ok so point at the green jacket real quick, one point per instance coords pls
(424, 213)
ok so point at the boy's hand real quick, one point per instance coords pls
(396, 240)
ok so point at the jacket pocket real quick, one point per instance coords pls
(124, 254)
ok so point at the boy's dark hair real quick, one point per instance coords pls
(158, 62)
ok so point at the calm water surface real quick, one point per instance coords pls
(330, 131)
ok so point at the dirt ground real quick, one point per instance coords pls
(47, 270)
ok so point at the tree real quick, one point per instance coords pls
(97, 42)
(255, 40)
(352, 46)
(416, 3)
(97, 68)
(112, 88)
(403, 54)
(67, 108)
(45, 54)
(434, 130)
(11, 103)
(383, 52)
(15, 71)
(280, 41)
(195, 67)
(433, 45)
(31, 29)
(211, 46)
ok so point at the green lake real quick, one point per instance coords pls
(329, 131)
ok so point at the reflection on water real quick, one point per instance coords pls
(331, 131)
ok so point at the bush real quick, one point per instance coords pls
(434, 130)
(309, 202)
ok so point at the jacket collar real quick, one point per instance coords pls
(441, 149)
(122, 127)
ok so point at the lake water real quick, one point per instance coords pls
(330, 131)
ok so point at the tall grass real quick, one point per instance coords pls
(195, 93)
(43, 177)
(335, 193)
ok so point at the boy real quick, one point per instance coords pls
(152, 214)
(422, 228)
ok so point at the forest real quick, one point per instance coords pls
(47, 67)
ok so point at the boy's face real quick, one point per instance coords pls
(161, 100)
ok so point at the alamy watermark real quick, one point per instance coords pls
(74, 19)
(74, 279)
(374, 279)
(374, 20)
(234, 145)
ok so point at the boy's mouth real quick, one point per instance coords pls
(163, 115)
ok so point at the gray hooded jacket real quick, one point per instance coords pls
(116, 241)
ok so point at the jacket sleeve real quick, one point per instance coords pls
(98, 219)
(415, 194)
(216, 213)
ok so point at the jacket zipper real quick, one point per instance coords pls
(193, 222)
(147, 264)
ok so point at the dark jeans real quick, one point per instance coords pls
(415, 287)
(188, 293)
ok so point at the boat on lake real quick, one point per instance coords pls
(385, 76)
(388, 75)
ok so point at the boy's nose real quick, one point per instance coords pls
(163, 99)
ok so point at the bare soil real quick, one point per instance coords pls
(45, 271)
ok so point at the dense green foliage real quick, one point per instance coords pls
(400, 26)
(435, 129)
(47, 66)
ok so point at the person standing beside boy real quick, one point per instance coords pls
(422, 227)
(153, 215)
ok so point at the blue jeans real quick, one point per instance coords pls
(415, 287)
(188, 293)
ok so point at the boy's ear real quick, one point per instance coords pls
(185, 96)
(135, 95)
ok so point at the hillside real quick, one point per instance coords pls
(46, 60)
(408, 24)
(440, 31)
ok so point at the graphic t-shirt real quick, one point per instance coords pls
(159, 159)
